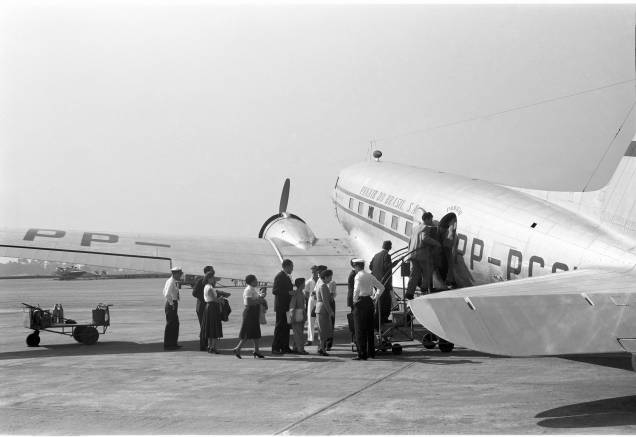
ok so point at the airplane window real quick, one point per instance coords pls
(408, 229)
(394, 222)
(360, 207)
(382, 217)
(350, 202)
(370, 212)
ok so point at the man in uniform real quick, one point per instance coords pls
(282, 289)
(363, 301)
(422, 248)
(171, 294)
(381, 266)
(197, 292)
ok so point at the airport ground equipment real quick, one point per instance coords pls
(402, 317)
(39, 319)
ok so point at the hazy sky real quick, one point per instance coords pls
(186, 119)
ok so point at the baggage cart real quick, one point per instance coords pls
(40, 319)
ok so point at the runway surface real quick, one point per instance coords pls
(127, 383)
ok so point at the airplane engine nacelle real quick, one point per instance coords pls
(289, 228)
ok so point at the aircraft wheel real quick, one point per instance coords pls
(445, 346)
(396, 349)
(33, 339)
(428, 341)
(89, 335)
(77, 332)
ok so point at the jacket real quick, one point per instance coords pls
(281, 290)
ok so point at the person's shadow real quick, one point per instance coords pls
(619, 411)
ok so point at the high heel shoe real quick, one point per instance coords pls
(237, 354)
(257, 355)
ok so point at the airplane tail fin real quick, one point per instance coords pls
(618, 198)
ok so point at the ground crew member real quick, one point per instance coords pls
(197, 292)
(422, 248)
(381, 266)
(171, 294)
(282, 289)
(363, 301)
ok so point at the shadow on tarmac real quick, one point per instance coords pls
(620, 411)
(618, 361)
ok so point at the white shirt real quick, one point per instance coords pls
(363, 286)
(250, 292)
(331, 285)
(209, 293)
(310, 287)
(170, 290)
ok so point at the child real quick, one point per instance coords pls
(263, 294)
(298, 312)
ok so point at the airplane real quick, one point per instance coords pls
(540, 273)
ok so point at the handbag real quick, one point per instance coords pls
(261, 318)
(299, 315)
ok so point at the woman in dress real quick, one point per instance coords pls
(213, 330)
(250, 327)
(324, 312)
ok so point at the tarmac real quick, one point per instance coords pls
(127, 383)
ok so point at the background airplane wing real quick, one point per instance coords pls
(232, 258)
(589, 311)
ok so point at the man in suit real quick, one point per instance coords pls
(423, 247)
(381, 266)
(197, 292)
(282, 289)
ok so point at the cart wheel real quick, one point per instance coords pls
(77, 332)
(429, 341)
(396, 348)
(445, 346)
(33, 339)
(89, 335)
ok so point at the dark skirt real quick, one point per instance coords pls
(251, 327)
(212, 321)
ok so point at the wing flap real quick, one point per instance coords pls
(567, 313)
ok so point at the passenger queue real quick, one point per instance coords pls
(301, 304)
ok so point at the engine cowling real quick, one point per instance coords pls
(288, 228)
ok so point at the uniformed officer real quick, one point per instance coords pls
(363, 302)
(423, 246)
(171, 294)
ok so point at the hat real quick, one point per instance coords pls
(176, 269)
(313, 268)
(357, 261)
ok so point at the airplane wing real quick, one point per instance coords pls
(232, 258)
(582, 311)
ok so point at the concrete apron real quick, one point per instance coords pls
(127, 384)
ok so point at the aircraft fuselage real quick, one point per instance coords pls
(501, 233)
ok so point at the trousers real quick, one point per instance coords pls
(171, 333)
(312, 326)
(422, 274)
(363, 322)
(281, 332)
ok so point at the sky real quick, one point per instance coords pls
(186, 118)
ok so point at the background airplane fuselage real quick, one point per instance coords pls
(502, 233)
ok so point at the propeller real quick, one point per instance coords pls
(284, 197)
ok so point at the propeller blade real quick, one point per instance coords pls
(284, 197)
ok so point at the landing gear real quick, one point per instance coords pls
(33, 339)
(430, 340)
(445, 346)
